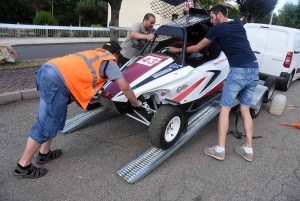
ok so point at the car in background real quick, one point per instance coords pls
(277, 50)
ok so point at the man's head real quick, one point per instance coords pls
(218, 14)
(149, 21)
(113, 47)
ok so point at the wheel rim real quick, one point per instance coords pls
(258, 107)
(271, 91)
(289, 82)
(172, 129)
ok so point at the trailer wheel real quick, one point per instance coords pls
(166, 126)
(254, 112)
(271, 84)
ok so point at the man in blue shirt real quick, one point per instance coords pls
(242, 78)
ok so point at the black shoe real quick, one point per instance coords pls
(31, 172)
(42, 159)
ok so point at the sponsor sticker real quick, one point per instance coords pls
(183, 87)
(219, 61)
(149, 60)
(174, 65)
(160, 73)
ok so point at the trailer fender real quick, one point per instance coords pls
(258, 95)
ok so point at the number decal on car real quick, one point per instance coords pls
(149, 60)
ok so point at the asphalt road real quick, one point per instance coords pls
(93, 154)
(28, 52)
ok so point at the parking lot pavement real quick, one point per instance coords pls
(93, 154)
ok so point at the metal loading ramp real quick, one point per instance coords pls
(82, 119)
(147, 161)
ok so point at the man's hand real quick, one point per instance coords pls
(150, 37)
(125, 88)
(138, 103)
(136, 35)
(173, 49)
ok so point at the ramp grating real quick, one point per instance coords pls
(82, 119)
(147, 161)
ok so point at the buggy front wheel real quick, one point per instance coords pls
(166, 126)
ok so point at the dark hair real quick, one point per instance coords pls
(113, 47)
(148, 15)
(219, 8)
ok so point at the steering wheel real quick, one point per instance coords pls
(165, 51)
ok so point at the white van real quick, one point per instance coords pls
(277, 50)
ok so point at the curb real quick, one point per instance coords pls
(19, 95)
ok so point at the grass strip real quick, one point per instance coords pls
(24, 64)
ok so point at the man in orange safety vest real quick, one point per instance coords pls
(76, 76)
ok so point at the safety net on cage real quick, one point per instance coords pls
(180, 12)
(161, 42)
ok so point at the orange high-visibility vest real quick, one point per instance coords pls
(81, 73)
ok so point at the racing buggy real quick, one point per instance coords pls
(180, 93)
(173, 86)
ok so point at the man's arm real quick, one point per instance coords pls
(136, 35)
(126, 89)
(194, 48)
(113, 73)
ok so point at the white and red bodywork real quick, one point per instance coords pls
(157, 75)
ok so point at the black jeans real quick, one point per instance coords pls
(122, 60)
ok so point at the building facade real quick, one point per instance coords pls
(134, 11)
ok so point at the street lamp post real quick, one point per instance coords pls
(52, 7)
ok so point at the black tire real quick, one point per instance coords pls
(161, 122)
(286, 85)
(271, 84)
(255, 112)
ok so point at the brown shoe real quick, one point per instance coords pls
(212, 152)
(246, 156)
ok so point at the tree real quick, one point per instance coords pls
(64, 11)
(254, 9)
(37, 4)
(92, 13)
(289, 15)
(43, 17)
(234, 13)
(115, 6)
(205, 3)
(14, 11)
(266, 19)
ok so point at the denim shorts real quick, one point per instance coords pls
(242, 81)
(54, 97)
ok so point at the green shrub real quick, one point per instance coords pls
(43, 17)
(96, 25)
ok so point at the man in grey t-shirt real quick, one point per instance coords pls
(139, 34)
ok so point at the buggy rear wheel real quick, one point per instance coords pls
(166, 126)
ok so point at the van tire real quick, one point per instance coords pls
(271, 84)
(286, 85)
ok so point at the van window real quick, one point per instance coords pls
(257, 37)
(278, 40)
